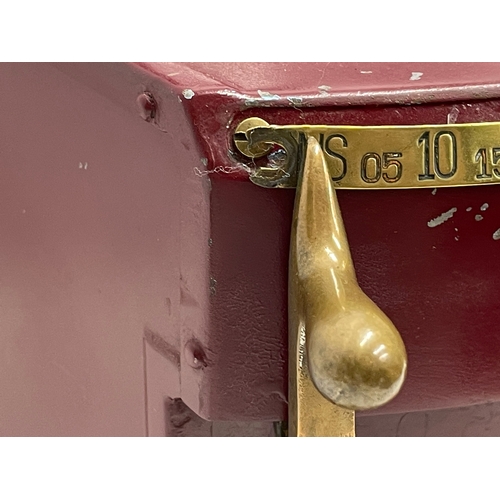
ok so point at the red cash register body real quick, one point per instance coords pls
(144, 277)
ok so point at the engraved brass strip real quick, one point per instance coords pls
(380, 157)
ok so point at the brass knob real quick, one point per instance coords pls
(355, 356)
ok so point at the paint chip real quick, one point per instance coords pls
(366, 72)
(434, 191)
(456, 238)
(267, 96)
(442, 218)
(83, 165)
(496, 235)
(478, 217)
(295, 100)
(468, 209)
(324, 88)
(204, 161)
(416, 75)
(453, 115)
(213, 286)
(188, 93)
(484, 207)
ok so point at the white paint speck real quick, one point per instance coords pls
(366, 72)
(188, 93)
(496, 235)
(324, 88)
(478, 217)
(267, 96)
(484, 207)
(204, 161)
(233, 93)
(416, 75)
(456, 238)
(456, 229)
(434, 191)
(442, 218)
(453, 115)
(468, 209)
(83, 166)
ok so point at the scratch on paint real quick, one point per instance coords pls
(442, 218)
(161, 346)
(267, 96)
(240, 167)
(453, 115)
(295, 100)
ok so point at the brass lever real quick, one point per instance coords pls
(342, 346)
(344, 352)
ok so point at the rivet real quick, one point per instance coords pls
(194, 354)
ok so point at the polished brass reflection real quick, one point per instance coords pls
(343, 348)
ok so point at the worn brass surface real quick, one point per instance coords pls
(380, 157)
(341, 344)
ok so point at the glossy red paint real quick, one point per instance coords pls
(131, 276)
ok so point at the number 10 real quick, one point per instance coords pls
(434, 166)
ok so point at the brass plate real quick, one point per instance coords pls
(381, 157)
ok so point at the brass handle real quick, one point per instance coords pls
(340, 341)
(343, 349)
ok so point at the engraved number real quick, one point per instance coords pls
(388, 167)
(484, 164)
(438, 153)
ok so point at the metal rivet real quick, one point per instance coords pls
(194, 354)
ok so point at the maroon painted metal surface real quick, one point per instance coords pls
(139, 264)
(89, 258)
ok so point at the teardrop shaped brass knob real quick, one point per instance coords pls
(355, 356)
